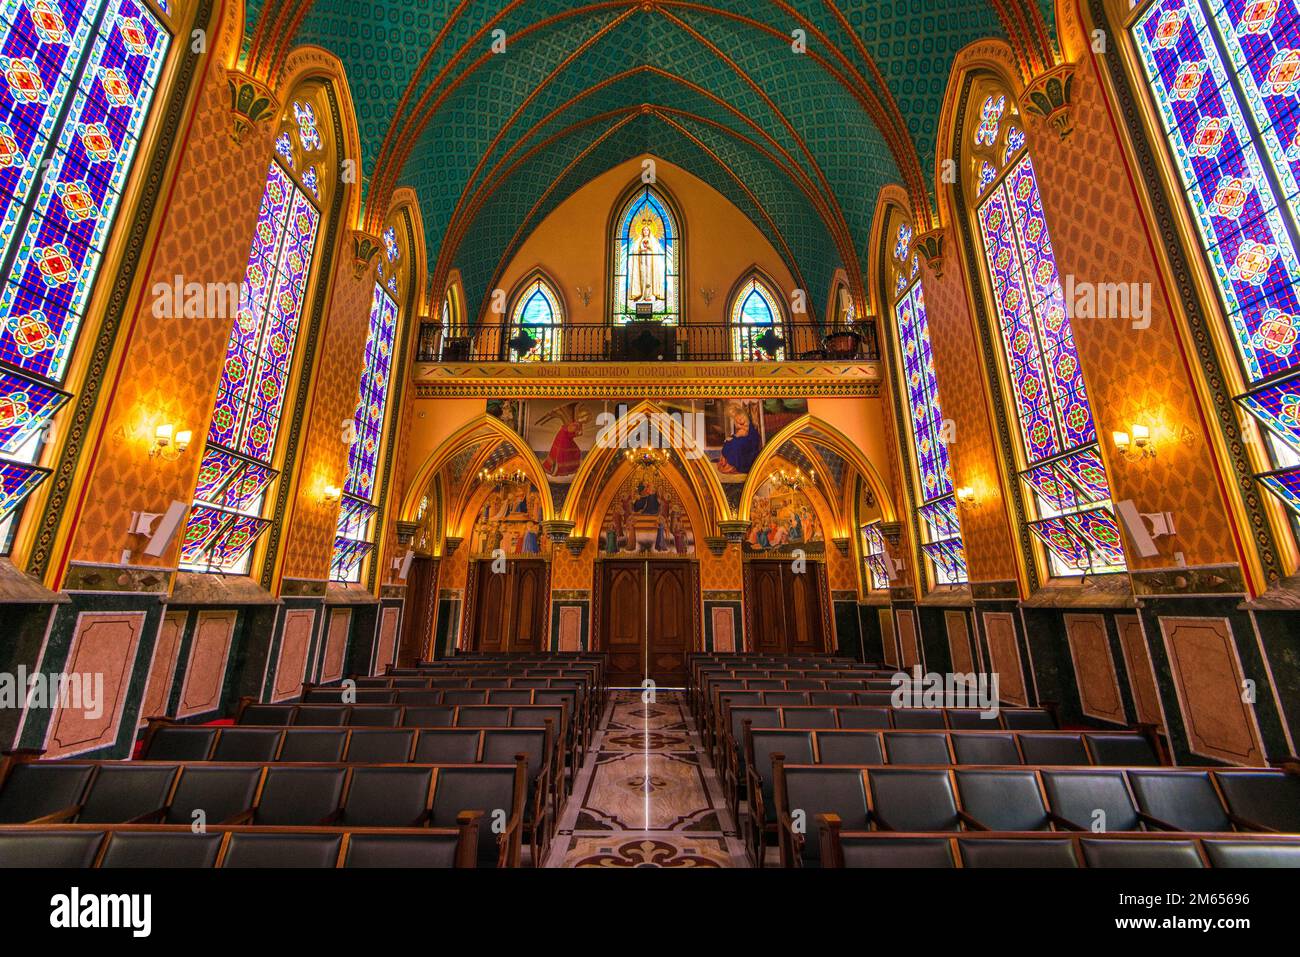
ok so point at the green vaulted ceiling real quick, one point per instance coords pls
(491, 142)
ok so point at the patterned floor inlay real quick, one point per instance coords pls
(647, 795)
(648, 851)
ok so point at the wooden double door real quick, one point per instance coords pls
(646, 611)
(784, 609)
(510, 607)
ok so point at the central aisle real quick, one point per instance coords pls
(647, 795)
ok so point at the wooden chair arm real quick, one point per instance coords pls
(467, 822)
(150, 817)
(828, 827)
(1249, 825)
(1062, 822)
(61, 816)
(971, 823)
(245, 816)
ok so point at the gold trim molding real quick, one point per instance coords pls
(641, 380)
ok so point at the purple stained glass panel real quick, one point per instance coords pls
(348, 555)
(200, 531)
(25, 406)
(1285, 484)
(234, 541)
(61, 244)
(17, 480)
(1278, 406)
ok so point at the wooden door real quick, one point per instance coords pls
(623, 619)
(527, 605)
(487, 627)
(418, 612)
(784, 609)
(671, 615)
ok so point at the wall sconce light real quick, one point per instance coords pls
(169, 443)
(1134, 444)
(332, 493)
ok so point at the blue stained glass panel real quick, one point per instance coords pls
(1285, 484)
(1277, 405)
(25, 406)
(17, 480)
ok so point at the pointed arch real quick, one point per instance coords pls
(483, 426)
(833, 439)
(706, 486)
(535, 318)
(675, 475)
(647, 260)
(759, 321)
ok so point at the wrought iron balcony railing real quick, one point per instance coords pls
(651, 342)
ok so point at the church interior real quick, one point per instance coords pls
(649, 434)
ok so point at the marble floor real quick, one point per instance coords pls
(647, 794)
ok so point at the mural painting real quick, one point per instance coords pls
(510, 519)
(646, 518)
(783, 519)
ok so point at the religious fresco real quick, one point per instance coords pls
(510, 519)
(782, 520)
(646, 518)
(733, 432)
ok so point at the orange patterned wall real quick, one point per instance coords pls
(310, 522)
(1133, 374)
(169, 367)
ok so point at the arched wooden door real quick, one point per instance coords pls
(785, 611)
(509, 608)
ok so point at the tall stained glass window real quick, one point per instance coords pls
(354, 537)
(875, 557)
(1063, 470)
(940, 527)
(1225, 77)
(647, 251)
(237, 467)
(535, 334)
(77, 79)
(756, 323)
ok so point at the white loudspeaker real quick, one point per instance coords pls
(406, 564)
(165, 530)
(1162, 524)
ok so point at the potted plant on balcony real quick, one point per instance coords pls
(842, 343)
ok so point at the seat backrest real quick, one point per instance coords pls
(917, 747)
(386, 797)
(985, 747)
(535, 715)
(758, 717)
(428, 716)
(253, 849)
(848, 747)
(380, 745)
(1268, 798)
(1228, 853)
(300, 797)
(1185, 799)
(483, 716)
(830, 697)
(42, 788)
(375, 716)
(322, 715)
(865, 718)
(928, 718)
(500, 745)
(401, 850)
(1028, 719)
(218, 792)
(447, 746)
(785, 697)
(247, 744)
(510, 696)
(969, 719)
(159, 848)
(913, 799)
(410, 682)
(821, 790)
(810, 717)
(1003, 799)
(267, 714)
(323, 745)
(797, 746)
(1121, 750)
(1120, 852)
(1055, 748)
(487, 789)
(49, 848)
(898, 852)
(1022, 852)
(181, 744)
(875, 699)
(465, 696)
(1094, 799)
(123, 792)
(419, 697)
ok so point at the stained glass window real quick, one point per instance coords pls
(1064, 472)
(236, 468)
(1225, 77)
(368, 427)
(756, 323)
(646, 256)
(874, 554)
(535, 335)
(940, 527)
(77, 79)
